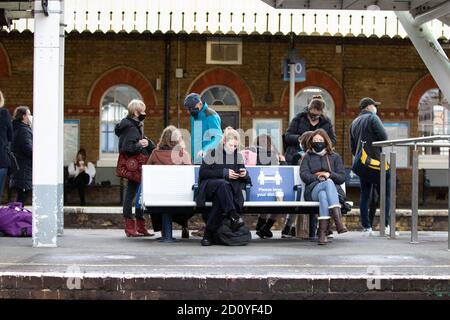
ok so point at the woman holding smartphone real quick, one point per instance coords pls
(222, 176)
(81, 174)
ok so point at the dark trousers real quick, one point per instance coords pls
(365, 199)
(80, 182)
(130, 194)
(22, 195)
(222, 203)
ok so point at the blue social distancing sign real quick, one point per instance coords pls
(266, 181)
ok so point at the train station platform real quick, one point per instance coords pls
(104, 264)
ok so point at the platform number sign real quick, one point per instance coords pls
(300, 70)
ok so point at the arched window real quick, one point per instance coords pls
(434, 117)
(305, 95)
(225, 102)
(113, 109)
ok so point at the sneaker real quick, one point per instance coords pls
(387, 232)
(367, 232)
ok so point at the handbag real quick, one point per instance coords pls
(14, 164)
(130, 166)
(367, 168)
(364, 166)
(345, 207)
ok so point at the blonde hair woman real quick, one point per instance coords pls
(171, 151)
(132, 141)
(221, 178)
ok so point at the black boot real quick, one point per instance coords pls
(207, 239)
(260, 223)
(285, 233)
(265, 232)
(236, 220)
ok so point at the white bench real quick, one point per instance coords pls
(170, 189)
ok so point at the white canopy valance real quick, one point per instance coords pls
(226, 16)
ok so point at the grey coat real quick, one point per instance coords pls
(313, 163)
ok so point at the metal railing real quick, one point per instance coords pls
(416, 143)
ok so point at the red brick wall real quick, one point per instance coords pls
(388, 70)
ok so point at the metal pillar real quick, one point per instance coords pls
(429, 50)
(60, 194)
(383, 194)
(291, 91)
(46, 111)
(415, 197)
(393, 194)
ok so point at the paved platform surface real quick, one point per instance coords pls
(346, 265)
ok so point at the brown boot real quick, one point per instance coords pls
(323, 227)
(130, 228)
(140, 228)
(336, 215)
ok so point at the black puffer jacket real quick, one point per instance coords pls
(367, 127)
(22, 147)
(213, 170)
(313, 163)
(298, 126)
(130, 131)
(6, 133)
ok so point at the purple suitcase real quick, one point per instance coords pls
(15, 220)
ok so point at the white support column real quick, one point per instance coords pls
(60, 194)
(46, 125)
(429, 50)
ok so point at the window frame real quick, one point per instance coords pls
(109, 159)
(210, 42)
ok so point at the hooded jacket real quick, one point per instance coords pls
(206, 132)
(130, 131)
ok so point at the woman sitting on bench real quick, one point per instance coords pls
(221, 178)
(323, 172)
(81, 174)
(171, 150)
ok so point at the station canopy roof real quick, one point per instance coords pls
(348, 18)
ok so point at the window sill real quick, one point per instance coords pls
(107, 162)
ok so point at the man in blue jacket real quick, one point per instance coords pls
(206, 132)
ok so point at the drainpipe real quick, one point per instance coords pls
(167, 53)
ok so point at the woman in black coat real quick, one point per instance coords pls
(22, 147)
(312, 118)
(222, 177)
(132, 141)
(6, 133)
(323, 172)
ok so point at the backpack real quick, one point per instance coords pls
(15, 220)
(224, 235)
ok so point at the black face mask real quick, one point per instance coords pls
(141, 117)
(314, 117)
(194, 111)
(318, 146)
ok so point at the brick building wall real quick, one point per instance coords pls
(388, 70)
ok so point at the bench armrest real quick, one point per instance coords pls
(195, 189)
(298, 194)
